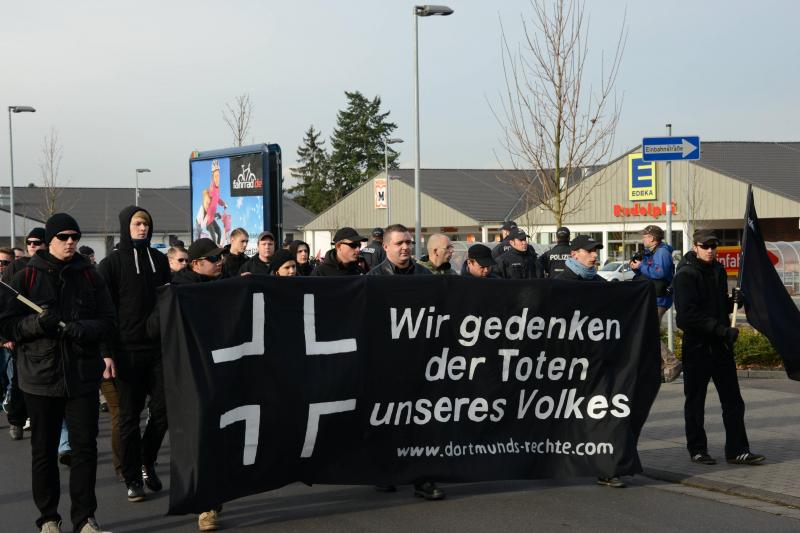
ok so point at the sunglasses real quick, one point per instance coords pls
(353, 245)
(182, 260)
(33, 242)
(712, 246)
(5, 262)
(212, 258)
(64, 237)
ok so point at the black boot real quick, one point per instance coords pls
(150, 478)
(429, 491)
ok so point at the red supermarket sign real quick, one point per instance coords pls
(731, 256)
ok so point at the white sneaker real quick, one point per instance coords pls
(51, 527)
(91, 527)
(27, 426)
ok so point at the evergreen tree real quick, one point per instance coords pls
(312, 172)
(357, 144)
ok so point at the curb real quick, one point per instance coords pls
(724, 487)
(762, 374)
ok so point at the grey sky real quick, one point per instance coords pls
(142, 84)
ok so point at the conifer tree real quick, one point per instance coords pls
(357, 144)
(312, 191)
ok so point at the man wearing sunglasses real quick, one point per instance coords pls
(133, 273)
(703, 313)
(178, 258)
(342, 260)
(60, 366)
(33, 243)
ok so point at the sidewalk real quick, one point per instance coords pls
(772, 419)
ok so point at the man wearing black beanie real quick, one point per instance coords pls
(60, 367)
(133, 273)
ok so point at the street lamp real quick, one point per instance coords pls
(139, 171)
(420, 11)
(386, 143)
(14, 109)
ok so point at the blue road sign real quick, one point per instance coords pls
(670, 148)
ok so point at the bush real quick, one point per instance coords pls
(752, 349)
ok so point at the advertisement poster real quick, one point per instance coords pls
(227, 193)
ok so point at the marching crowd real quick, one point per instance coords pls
(70, 328)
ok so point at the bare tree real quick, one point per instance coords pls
(237, 117)
(49, 166)
(555, 125)
(694, 199)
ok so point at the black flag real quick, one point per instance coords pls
(768, 305)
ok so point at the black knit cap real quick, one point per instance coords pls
(36, 233)
(58, 223)
(280, 257)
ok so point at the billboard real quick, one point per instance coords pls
(641, 178)
(234, 189)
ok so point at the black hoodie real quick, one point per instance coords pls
(133, 273)
(331, 266)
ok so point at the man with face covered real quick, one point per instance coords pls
(133, 272)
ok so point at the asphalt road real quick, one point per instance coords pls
(577, 505)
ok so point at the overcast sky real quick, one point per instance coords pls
(142, 84)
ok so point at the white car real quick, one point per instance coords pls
(616, 271)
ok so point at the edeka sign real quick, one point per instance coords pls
(641, 178)
(394, 380)
(641, 210)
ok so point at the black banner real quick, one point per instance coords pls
(768, 306)
(247, 176)
(395, 380)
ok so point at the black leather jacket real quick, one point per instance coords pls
(387, 268)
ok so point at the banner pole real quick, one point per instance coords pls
(741, 254)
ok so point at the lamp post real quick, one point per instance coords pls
(14, 109)
(386, 143)
(420, 11)
(139, 171)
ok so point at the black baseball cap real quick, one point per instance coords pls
(349, 234)
(377, 232)
(705, 236)
(203, 248)
(508, 225)
(481, 254)
(518, 233)
(584, 242)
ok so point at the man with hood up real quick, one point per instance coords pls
(133, 272)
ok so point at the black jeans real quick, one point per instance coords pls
(17, 413)
(81, 414)
(140, 374)
(698, 369)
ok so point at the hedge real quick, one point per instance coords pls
(752, 349)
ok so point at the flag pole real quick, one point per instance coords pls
(741, 263)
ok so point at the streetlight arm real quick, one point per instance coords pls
(429, 11)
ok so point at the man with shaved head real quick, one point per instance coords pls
(440, 250)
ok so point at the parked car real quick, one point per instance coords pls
(616, 271)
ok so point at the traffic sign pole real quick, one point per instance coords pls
(670, 332)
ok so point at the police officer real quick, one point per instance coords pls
(552, 261)
(503, 246)
(703, 313)
(60, 367)
(373, 253)
(520, 262)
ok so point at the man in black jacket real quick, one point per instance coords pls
(397, 243)
(582, 264)
(133, 272)
(342, 259)
(519, 262)
(703, 313)
(553, 260)
(15, 406)
(503, 246)
(236, 257)
(60, 367)
(479, 262)
(259, 263)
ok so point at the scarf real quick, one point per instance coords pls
(580, 270)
